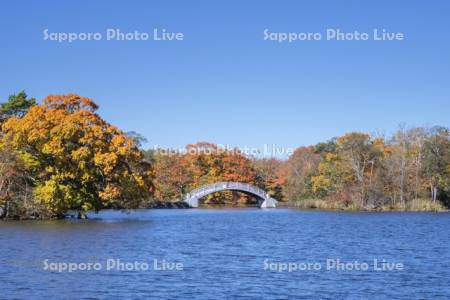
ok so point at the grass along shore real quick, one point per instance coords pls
(416, 205)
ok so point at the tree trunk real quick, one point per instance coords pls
(6, 213)
(402, 181)
(3, 211)
(433, 190)
(435, 194)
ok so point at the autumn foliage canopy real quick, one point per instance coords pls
(75, 158)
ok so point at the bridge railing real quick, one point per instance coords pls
(226, 185)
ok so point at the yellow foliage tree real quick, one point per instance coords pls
(78, 160)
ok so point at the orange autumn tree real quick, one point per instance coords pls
(271, 176)
(77, 160)
(172, 175)
(209, 163)
(296, 172)
(177, 173)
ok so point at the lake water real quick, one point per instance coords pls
(228, 254)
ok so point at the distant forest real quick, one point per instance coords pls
(60, 156)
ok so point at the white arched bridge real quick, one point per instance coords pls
(264, 200)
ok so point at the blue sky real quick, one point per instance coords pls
(223, 83)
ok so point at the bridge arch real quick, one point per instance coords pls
(264, 200)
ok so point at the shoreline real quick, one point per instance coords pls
(162, 205)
